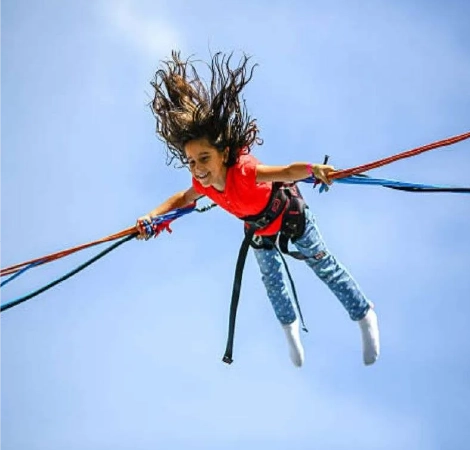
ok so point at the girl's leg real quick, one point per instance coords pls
(274, 280)
(342, 284)
(331, 271)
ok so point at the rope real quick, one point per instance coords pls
(160, 223)
(53, 256)
(16, 302)
(156, 224)
(153, 229)
(382, 162)
(17, 274)
(393, 184)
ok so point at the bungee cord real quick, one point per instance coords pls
(153, 228)
(13, 303)
(161, 223)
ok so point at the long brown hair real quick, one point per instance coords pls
(187, 108)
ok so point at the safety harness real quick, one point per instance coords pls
(287, 200)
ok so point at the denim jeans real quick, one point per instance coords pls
(326, 267)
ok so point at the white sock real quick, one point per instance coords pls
(296, 350)
(370, 337)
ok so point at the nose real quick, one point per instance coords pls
(198, 166)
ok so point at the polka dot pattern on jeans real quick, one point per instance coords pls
(325, 266)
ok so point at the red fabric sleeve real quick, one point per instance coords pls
(248, 172)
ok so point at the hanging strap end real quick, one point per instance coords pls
(227, 359)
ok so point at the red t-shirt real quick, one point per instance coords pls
(242, 195)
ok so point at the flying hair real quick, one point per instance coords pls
(186, 107)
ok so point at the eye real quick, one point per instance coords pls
(191, 163)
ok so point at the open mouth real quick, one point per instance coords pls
(202, 176)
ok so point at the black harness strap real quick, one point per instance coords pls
(237, 282)
(288, 202)
(294, 291)
(293, 222)
(276, 205)
(274, 209)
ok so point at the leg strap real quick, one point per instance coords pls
(237, 282)
(249, 233)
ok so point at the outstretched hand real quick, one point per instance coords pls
(140, 227)
(322, 172)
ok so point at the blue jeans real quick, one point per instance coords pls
(326, 267)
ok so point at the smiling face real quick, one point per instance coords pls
(206, 163)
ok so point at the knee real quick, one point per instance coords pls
(321, 260)
(324, 265)
(319, 255)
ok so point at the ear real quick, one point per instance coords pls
(226, 152)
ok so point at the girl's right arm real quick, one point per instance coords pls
(178, 200)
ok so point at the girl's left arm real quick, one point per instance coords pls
(294, 172)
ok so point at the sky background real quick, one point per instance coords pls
(127, 354)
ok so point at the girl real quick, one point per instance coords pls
(206, 127)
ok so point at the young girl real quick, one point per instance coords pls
(207, 128)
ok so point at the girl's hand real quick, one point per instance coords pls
(141, 229)
(322, 172)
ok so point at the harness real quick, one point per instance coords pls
(287, 200)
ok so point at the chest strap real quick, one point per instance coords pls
(293, 220)
(276, 204)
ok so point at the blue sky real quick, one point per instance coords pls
(127, 354)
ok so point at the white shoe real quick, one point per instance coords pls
(296, 350)
(370, 337)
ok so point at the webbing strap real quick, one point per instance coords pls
(291, 204)
(283, 246)
(237, 282)
(249, 233)
(292, 285)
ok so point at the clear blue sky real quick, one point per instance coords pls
(127, 354)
